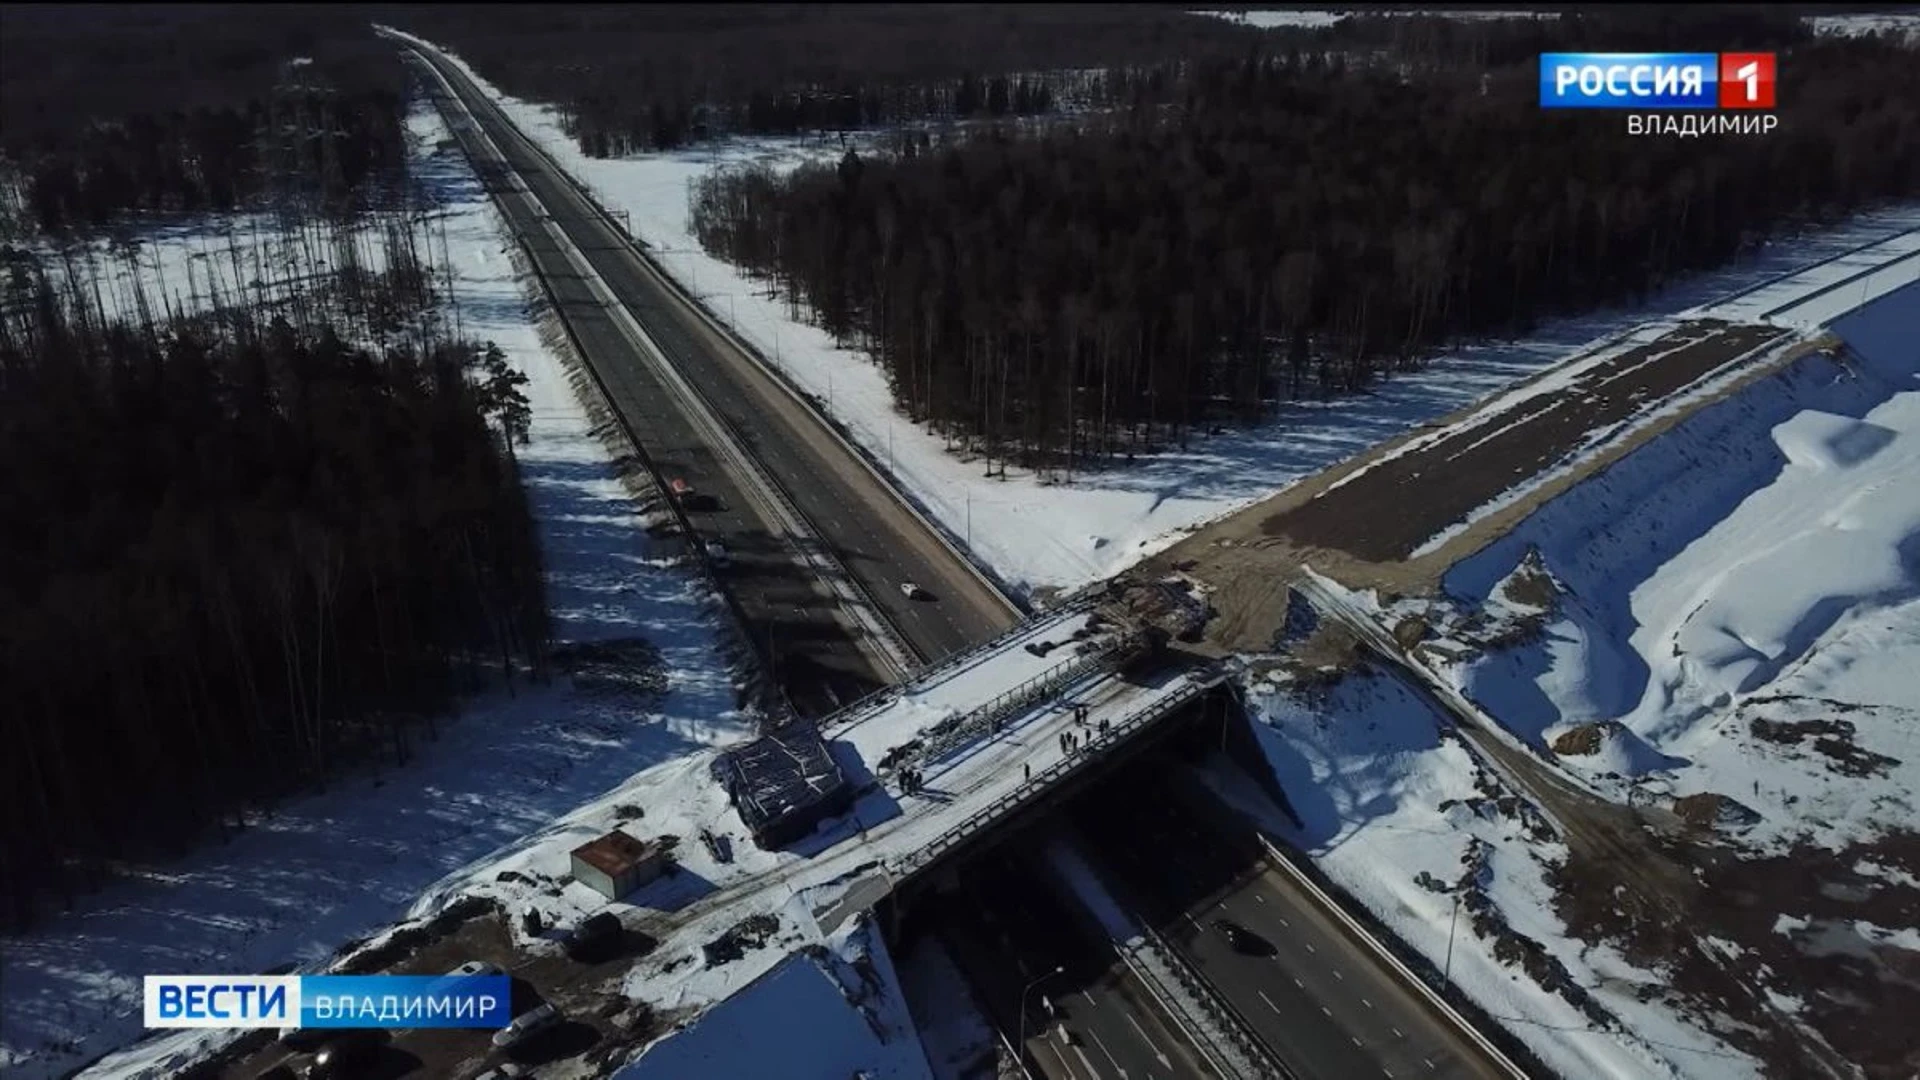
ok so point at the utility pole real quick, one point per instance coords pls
(1446, 973)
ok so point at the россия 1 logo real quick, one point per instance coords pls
(1665, 81)
(1746, 80)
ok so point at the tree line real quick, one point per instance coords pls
(1296, 224)
(115, 111)
(635, 77)
(243, 550)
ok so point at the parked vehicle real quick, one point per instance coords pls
(593, 932)
(526, 1026)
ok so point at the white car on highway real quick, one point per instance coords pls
(912, 591)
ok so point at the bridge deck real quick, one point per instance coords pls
(816, 884)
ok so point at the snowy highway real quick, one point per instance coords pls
(837, 504)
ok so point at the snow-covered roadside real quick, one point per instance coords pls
(833, 1012)
(1065, 535)
(334, 866)
(1757, 565)
(1386, 803)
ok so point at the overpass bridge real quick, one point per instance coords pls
(936, 763)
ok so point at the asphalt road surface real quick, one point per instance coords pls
(1320, 1000)
(858, 516)
(1008, 933)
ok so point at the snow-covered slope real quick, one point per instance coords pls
(825, 1014)
(1396, 815)
(1759, 562)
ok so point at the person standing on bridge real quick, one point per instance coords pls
(1026, 770)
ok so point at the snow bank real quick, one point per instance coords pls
(828, 1014)
(1762, 555)
(328, 868)
(1835, 287)
(1063, 535)
(1386, 803)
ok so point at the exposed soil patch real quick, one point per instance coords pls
(1580, 740)
(1328, 654)
(1831, 738)
(1449, 478)
(1710, 810)
(1531, 585)
(1411, 631)
(1795, 918)
(749, 933)
(621, 666)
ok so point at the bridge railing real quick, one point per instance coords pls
(947, 736)
(1097, 748)
(861, 708)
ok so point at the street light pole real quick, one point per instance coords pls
(1446, 974)
(1021, 1046)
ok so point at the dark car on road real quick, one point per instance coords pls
(594, 935)
(1243, 940)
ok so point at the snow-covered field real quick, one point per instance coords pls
(1065, 535)
(1761, 560)
(334, 866)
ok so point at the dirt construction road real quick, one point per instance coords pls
(1375, 522)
